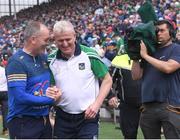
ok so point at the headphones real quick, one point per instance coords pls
(172, 31)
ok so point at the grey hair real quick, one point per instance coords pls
(32, 28)
(63, 26)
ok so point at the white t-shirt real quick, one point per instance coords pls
(77, 82)
(3, 81)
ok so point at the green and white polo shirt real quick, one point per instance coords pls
(77, 77)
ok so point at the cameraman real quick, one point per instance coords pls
(160, 85)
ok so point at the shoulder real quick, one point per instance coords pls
(87, 49)
(16, 63)
(175, 45)
(91, 53)
(175, 48)
(175, 52)
(17, 57)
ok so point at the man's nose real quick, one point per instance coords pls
(65, 43)
(159, 33)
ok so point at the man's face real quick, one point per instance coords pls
(163, 35)
(40, 41)
(66, 42)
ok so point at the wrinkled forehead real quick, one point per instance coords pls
(64, 35)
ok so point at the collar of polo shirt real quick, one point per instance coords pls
(76, 53)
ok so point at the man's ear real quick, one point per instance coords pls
(33, 39)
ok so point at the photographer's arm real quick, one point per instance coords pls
(163, 66)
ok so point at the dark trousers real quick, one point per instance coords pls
(4, 108)
(74, 126)
(156, 115)
(29, 127)
(129, 120)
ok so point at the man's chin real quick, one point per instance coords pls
(66, 52)
(40, 52)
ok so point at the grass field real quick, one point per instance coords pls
(1, 136)
(108, 130)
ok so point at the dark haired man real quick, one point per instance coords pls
(160, 85)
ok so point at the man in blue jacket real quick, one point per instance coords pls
(28, 78)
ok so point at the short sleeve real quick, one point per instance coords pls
(176, 53)
(98, 67)
(16, 74)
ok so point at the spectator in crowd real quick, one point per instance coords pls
(3, 99)
(90, 19)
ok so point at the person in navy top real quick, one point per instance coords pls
(28, 78)
(160, 77)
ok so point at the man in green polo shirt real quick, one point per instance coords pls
(76, 70)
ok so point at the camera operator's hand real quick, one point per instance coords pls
(143, 50)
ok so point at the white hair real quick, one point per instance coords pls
(63, 26)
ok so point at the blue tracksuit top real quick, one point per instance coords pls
(28, 78)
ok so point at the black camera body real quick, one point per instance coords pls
(145, 32)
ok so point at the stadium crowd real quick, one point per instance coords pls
(96, 25)
(101, 26)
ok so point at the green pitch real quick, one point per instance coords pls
(107, 130)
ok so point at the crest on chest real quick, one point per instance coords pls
(81, 66)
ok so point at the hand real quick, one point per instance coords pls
(92, 111)
(113, 102)
(54, 93)
(143, 50)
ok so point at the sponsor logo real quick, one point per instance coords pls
(81, 66)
